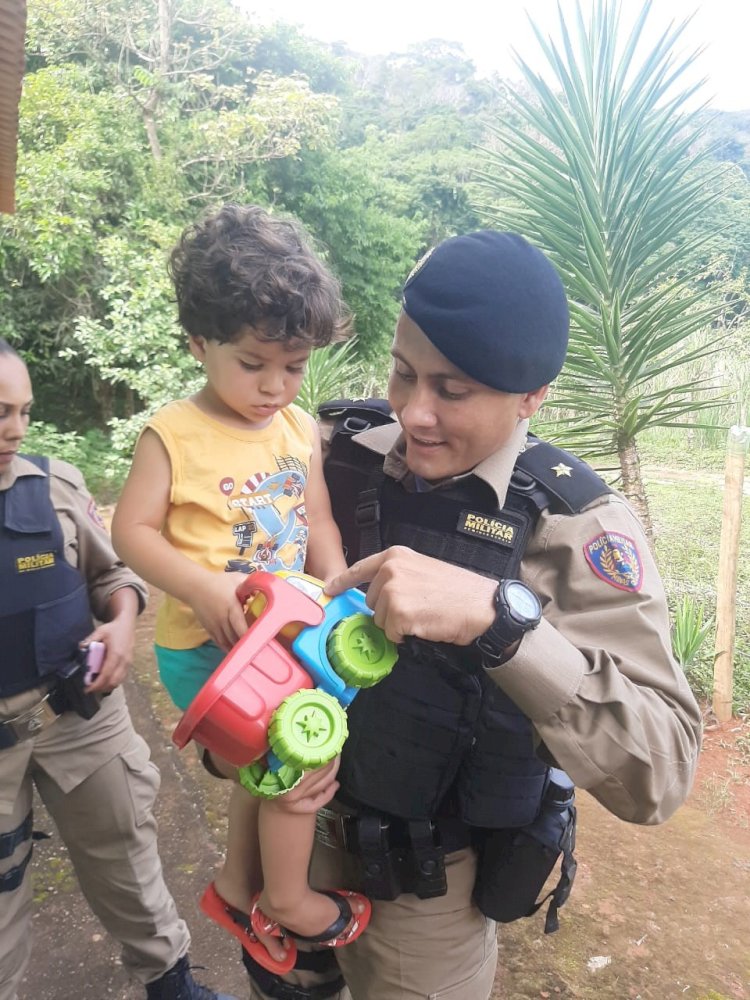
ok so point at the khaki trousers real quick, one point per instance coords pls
(97, 781)
(413, 949)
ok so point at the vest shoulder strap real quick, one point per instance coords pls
(40, 461)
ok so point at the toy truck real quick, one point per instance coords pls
(275, 706)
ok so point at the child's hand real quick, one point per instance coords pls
(218, 609)
(316, 788)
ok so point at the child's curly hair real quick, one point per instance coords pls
(241, 266)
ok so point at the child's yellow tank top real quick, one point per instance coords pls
(237, 500)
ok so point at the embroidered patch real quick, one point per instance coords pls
(40, 560)
(615, 559)
(491, 528)
(94, 514)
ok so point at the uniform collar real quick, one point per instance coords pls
(19, 467)
(495, 470)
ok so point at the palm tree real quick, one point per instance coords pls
(602, 170)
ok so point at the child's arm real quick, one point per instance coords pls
(136, 534)
(325, 555)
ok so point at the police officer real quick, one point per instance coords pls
(532, 621)
(91, 769)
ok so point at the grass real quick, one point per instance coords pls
(687, 517)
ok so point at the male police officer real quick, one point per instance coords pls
(532, 619)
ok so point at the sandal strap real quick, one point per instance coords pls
(338, 926)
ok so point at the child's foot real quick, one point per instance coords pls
(273, 953)
(333, 918)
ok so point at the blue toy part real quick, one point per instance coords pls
(310, 645)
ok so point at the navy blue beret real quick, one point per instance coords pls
(495, 306)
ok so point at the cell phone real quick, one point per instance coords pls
(94, 657)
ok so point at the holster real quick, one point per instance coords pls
(70, 694)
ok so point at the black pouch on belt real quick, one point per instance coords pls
(514, 864)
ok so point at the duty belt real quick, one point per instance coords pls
(31, 721)
(396, 855)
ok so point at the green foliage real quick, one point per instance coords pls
(689, 630)
(330, 370)
(687, 514)
(372, 257)
(603, 173)
(91, 453)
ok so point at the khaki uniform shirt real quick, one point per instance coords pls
(597, 678)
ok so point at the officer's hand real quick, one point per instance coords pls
(117, 636)
(316, 789)
(413, 594)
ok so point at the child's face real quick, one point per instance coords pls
(249, 379)
(15, 406)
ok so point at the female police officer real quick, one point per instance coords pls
(91, 769)
(533, 624)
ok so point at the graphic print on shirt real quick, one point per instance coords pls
(272, 534)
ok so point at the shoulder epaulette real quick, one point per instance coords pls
(565, 477)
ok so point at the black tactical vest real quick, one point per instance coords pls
(44, 604)
(437, 736)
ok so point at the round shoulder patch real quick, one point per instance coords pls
(614, 558)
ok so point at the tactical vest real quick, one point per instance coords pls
(438, 737)
(44, 604)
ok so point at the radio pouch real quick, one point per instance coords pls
(514, 864)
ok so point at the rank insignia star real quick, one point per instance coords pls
(562, 470)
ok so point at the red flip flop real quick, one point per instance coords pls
(346, 928)
(239, 924)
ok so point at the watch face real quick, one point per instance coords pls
(523, 603)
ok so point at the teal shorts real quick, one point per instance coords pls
(183, 672)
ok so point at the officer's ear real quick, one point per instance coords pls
(530, 402)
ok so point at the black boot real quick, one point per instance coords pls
(178, 984)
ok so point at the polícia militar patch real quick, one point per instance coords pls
(614, 558)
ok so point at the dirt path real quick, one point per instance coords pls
(657, 913)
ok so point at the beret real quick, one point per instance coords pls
(495, 306)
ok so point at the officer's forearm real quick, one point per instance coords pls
(123, 604)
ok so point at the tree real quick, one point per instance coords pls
(603, 172)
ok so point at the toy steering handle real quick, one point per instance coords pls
(284, 604)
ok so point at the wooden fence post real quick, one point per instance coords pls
(726, 586)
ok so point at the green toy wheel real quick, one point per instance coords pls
(307, 729)
(359, 651)
(257, 779)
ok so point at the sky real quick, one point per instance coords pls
(490, 29)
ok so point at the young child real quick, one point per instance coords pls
(228, 481)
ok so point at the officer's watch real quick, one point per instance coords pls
(517, 611)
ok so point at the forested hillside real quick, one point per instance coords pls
(138, 116)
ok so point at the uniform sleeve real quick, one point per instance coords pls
(598, 678)
(87, 543)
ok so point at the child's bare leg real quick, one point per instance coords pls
(286, 841)
(241, 875)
